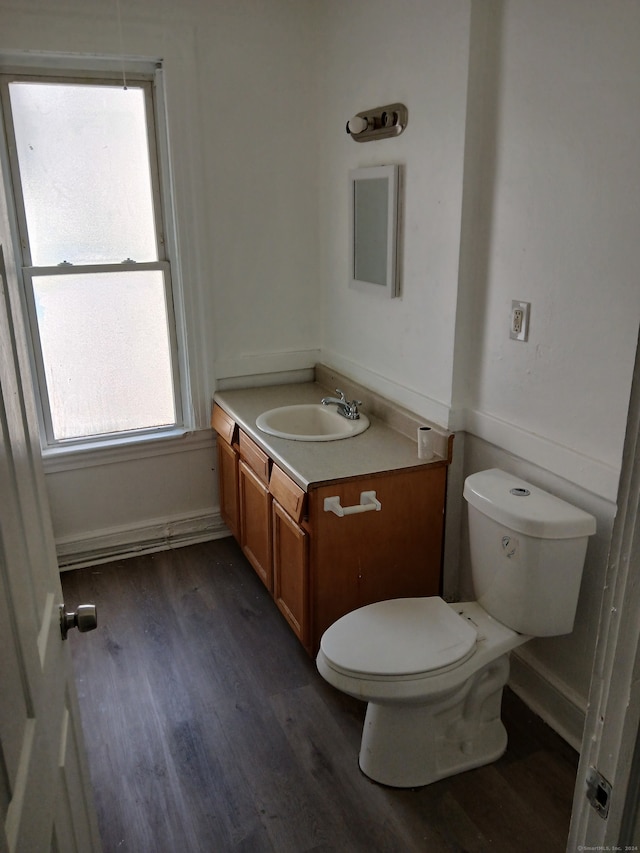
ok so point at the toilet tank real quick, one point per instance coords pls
(527, 552)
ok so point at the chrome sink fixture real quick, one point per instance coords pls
(312, 422)
(345, 408)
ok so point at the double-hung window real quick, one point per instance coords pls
(84, 170)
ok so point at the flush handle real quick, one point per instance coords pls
(85, 618)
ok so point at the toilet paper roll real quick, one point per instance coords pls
(425, 442)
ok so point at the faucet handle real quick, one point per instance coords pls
(353, 408)
(342, 397)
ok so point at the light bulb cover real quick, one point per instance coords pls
(357, 124)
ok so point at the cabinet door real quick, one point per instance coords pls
(367, 557)
(255, 523)
(291, 571)
(228, 484)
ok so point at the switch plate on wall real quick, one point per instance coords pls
(519, 329)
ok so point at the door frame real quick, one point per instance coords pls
(610, 743)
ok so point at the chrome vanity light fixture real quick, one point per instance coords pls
(380, 123)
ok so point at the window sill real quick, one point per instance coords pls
(126, 449)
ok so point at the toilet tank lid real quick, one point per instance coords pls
(525, 508)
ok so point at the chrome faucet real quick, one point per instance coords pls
(345, 408)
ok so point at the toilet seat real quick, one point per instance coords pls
(399, 638)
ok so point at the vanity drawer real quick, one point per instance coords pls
(223, 424)
(288, 494)
(255, 458)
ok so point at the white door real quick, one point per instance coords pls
(45, 796)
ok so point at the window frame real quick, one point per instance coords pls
(149, 81)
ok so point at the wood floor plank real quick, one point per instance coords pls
(210, 730)
(327, 755)
(503, 814)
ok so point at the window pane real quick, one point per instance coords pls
(105, 350)
(84, 166)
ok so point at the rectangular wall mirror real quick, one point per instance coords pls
(374, 218)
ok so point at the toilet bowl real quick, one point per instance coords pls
(432, 673)
(434, 711)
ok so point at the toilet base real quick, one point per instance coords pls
(408, 746)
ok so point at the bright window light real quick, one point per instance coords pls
(98, 282)
(105, 351)
(84, 169)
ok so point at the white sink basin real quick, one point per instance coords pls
(311, 422)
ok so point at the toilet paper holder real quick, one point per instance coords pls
(368, 502)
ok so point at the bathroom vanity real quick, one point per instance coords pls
(329, 526)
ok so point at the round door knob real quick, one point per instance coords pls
(84, 619)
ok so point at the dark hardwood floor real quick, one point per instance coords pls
(209, 729)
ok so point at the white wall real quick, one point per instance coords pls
(376, 53)
(239, 74)
(257, 93)
(555, 223)
(542, 139)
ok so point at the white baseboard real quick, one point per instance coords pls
(158, 534)
(547, 698)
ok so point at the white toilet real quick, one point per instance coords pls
(433, 672)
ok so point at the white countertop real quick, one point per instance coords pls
(313, 463)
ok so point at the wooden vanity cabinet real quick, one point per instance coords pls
(318, 565)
